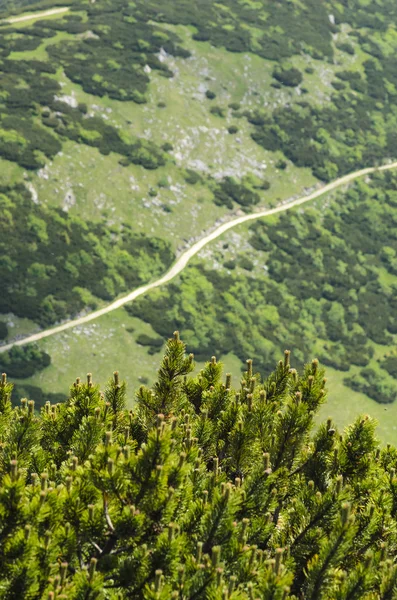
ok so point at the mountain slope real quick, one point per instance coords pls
(164, 118)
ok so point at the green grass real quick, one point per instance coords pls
(123, 195)
(100, 347)
(10, 172)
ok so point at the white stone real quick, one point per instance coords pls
(32, 190)
(69, 200)
(70, 100)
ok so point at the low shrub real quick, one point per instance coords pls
(199, 492)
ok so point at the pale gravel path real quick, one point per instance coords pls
(39, 15)
(182, 261)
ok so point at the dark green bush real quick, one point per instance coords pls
(3, 330)
(22, 362)
(35, 393)
(192, 177)
(373, 384)
(230, 264)
(245, 263)
(338, 85)
(167, 147)
(147, 340)
(230, 190)
(218, 111)
(346, 47)
(289, 77)
(389, 364)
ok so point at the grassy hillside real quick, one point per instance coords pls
(127, 130)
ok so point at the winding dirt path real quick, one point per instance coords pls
(39, 15)
(182, 261)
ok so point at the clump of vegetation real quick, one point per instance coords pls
(163, 182)
(201, 491)
(167, 147)
(290, 77)
(371, 383)
(338, 85)
(3, 330)
(153, 343)
(192, 177)
(230, 190)
(233, 129)
(22, 362)
(230, 264)
(245, 263)
(210, 95)
(389, 364)
(346, 47)
(218, 111)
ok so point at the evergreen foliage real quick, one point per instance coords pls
(230, 190)
(199, 492)
(281, 29)
(3, 330)
(24, 361)
(290, 77)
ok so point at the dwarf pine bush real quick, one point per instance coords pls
(199, 492)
